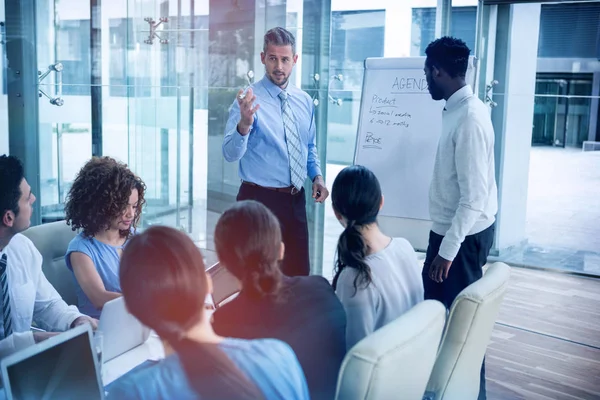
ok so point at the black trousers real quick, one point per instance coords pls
(466, 269)
(290, 210)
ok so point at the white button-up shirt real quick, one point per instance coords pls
(32, 297)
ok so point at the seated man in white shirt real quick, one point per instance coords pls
(25, 293)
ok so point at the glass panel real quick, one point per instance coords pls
(315, 53)
(3, 81)
(158, 100)
(548, 215)
(546, 117)
(63, 37)
(578, 118)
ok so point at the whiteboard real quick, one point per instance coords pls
(398, 131)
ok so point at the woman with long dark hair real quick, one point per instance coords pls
(377, 278)
(303, 311)
(165, 285)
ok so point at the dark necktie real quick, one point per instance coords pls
(6, 317)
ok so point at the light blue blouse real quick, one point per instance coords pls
(269, 363)
(106, 260)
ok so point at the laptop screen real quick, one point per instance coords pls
(64, 371)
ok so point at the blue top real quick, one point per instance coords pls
(106, 260)
(263, 152)
(269, 363)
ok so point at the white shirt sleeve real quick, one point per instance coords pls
(50, 312)
(15, 342)
(360, 307)
(471, 158)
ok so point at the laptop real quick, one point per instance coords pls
(62, 367)
(121, 331)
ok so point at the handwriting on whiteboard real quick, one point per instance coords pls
(409, 85)
(372, 141)
(383, 111)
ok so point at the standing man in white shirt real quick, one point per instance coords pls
(463, 196)
(25, 293)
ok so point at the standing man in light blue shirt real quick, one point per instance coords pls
(271, 131)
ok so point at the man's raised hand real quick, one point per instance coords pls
(247, 110)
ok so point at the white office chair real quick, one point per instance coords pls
(455, 375)
(395, 361)
(52, 241)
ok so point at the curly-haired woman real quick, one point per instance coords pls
(105, 202)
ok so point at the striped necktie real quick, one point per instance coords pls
(292, 139)
(6, 318)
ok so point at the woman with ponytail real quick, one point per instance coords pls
(377, 278)
(302, 311)
(164, 285)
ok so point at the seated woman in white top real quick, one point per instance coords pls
(377, 278)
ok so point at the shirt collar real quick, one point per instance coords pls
(273, 89)
(458, 97)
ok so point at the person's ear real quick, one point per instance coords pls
(281, 251)
(295, 59)
(8, 219)
(436, 72)
(381, 204)
(340, 218)
(262, 57)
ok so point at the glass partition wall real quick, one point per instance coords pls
(149, 82)
(544, 94)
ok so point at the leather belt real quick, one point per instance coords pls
(289, 189)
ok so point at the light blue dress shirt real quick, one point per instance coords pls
(263, 152)
(270, 364)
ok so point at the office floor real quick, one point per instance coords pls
(546, 342)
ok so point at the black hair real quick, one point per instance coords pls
(279, 37)
(11, 176)
(450, 54)
(248, 240)
(356, 196)
(164, 285)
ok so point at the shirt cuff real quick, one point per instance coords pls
(241, 140)
(314, 172)
(448, 250)
(69, 318)
(22, 340)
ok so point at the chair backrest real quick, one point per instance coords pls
(395, 361)
(52, 241)
(225, 285)
(467, 334)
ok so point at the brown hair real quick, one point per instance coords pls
(100, 194)
(248, 240)
(164, 285)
